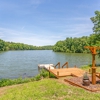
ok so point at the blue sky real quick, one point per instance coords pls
(44, 22)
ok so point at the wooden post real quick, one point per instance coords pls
(93, 52)
(49, 71)
(59, 65)
(94, 75)
(89, 70)
(75, 66)
(38, 68)
(93, 70)
(66, 64)
(57, 73)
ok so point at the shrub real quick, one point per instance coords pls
(43, 74)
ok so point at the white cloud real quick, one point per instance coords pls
(43, 36)
(8, 32)
(27, 38)
(78, 30)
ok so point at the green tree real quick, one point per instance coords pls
(2, 45)
(96, 22)
(96, 29)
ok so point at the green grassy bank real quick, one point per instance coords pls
(47, 89)
(43, 88)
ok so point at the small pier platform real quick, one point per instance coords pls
(77, 72)
(61, 71)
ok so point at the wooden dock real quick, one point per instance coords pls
(61, 71)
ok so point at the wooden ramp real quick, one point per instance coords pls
(67, 72)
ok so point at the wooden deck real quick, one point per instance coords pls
(67, 72)
(62, 71)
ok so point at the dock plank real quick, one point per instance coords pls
(67, 72)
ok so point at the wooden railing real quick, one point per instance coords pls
(66, 64)
(58, 64)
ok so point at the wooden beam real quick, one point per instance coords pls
(84, 87)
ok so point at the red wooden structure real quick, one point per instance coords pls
(93, 52)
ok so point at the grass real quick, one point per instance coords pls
(87, 67)
(43, 88)
(7, 82)
(47, 89)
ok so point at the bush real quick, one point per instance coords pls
(7, 82)
(37, 78)
(43, 74)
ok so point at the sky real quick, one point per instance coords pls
(44, 22)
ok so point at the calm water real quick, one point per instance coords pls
(14, 64)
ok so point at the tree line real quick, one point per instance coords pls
(5, 46)
(76, 45)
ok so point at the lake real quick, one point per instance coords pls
(14, 64)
